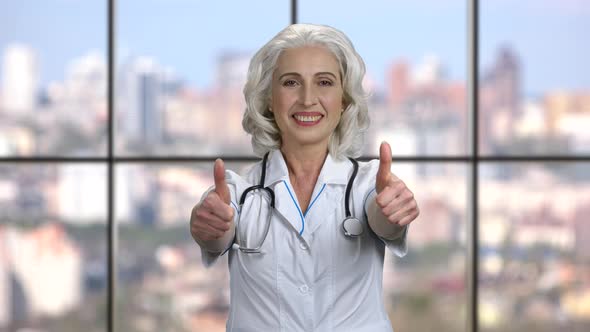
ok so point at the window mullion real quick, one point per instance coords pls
(472, 192)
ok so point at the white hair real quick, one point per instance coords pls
(348, 137)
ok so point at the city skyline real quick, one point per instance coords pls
(170, 43)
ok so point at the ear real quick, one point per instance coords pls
(345, 104)
(269, 104)
(346, 99)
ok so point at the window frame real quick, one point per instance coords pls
(473, 160)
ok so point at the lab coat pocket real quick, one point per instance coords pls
(351, 251)
(253, 235)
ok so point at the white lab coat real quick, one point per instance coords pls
(310, 276)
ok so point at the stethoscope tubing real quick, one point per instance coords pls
(260, 186)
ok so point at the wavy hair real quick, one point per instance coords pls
(348, 137)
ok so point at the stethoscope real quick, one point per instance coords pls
(351, 225)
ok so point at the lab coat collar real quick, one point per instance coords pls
(333, 171)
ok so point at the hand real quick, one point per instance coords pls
(395, 200)
(214, 216)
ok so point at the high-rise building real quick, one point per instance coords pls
(85, 92)
(86, 79)
(399, 84)
(500, 100)
(232, 70)
(20, 80)
(142, 101)
(228, 102)
(505, 78)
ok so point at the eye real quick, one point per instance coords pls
(326, 83)
(289, 83)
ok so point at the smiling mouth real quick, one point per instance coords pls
(307, 118)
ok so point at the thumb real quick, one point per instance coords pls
(384, 172)
(221, 187)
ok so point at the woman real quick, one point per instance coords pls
(301, 261)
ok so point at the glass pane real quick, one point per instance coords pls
(53, 264)
(534, 253)
(415, 57)
(53, 78)
(427, 289)
(162, 284)
(534, 77)
(180, 77)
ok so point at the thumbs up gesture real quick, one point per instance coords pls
(395, 200)
(211, 219)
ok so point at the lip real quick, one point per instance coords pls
(308, 114)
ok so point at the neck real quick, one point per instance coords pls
(304, 163)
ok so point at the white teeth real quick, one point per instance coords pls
(307, 118)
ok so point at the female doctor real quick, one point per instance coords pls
(306, 228)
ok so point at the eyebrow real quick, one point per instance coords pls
(316, 74)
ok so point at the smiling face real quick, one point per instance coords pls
(307, 96)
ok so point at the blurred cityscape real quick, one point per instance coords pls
(535, 258)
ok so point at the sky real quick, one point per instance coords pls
(188, 35)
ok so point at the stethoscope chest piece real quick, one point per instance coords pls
(352, 227)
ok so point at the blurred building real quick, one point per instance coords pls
(142, 100)
(86, 79)
(179, 190)
(505, 78)
(20, 80)
(500, 100)
(232, 70)
(430, 71)
(228, 103)
(40, 273)
(5, 293)
(146, 196)
(425, 113)
(543, 227)
(82, 193)
(85, 92)
(561, 103)
(188, 122)
(533, 122)
(568, 114)
(582, 231)
(16, 139)
(398, 85)
(439, 224)
(123, 183)
(403, 141)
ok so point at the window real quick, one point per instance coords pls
(418, 103)
(112, 113)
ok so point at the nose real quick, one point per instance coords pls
(309, 95)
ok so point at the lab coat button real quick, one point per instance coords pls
(304, 289)
(303, 245)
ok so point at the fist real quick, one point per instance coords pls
(213, 216)
(395, 200)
